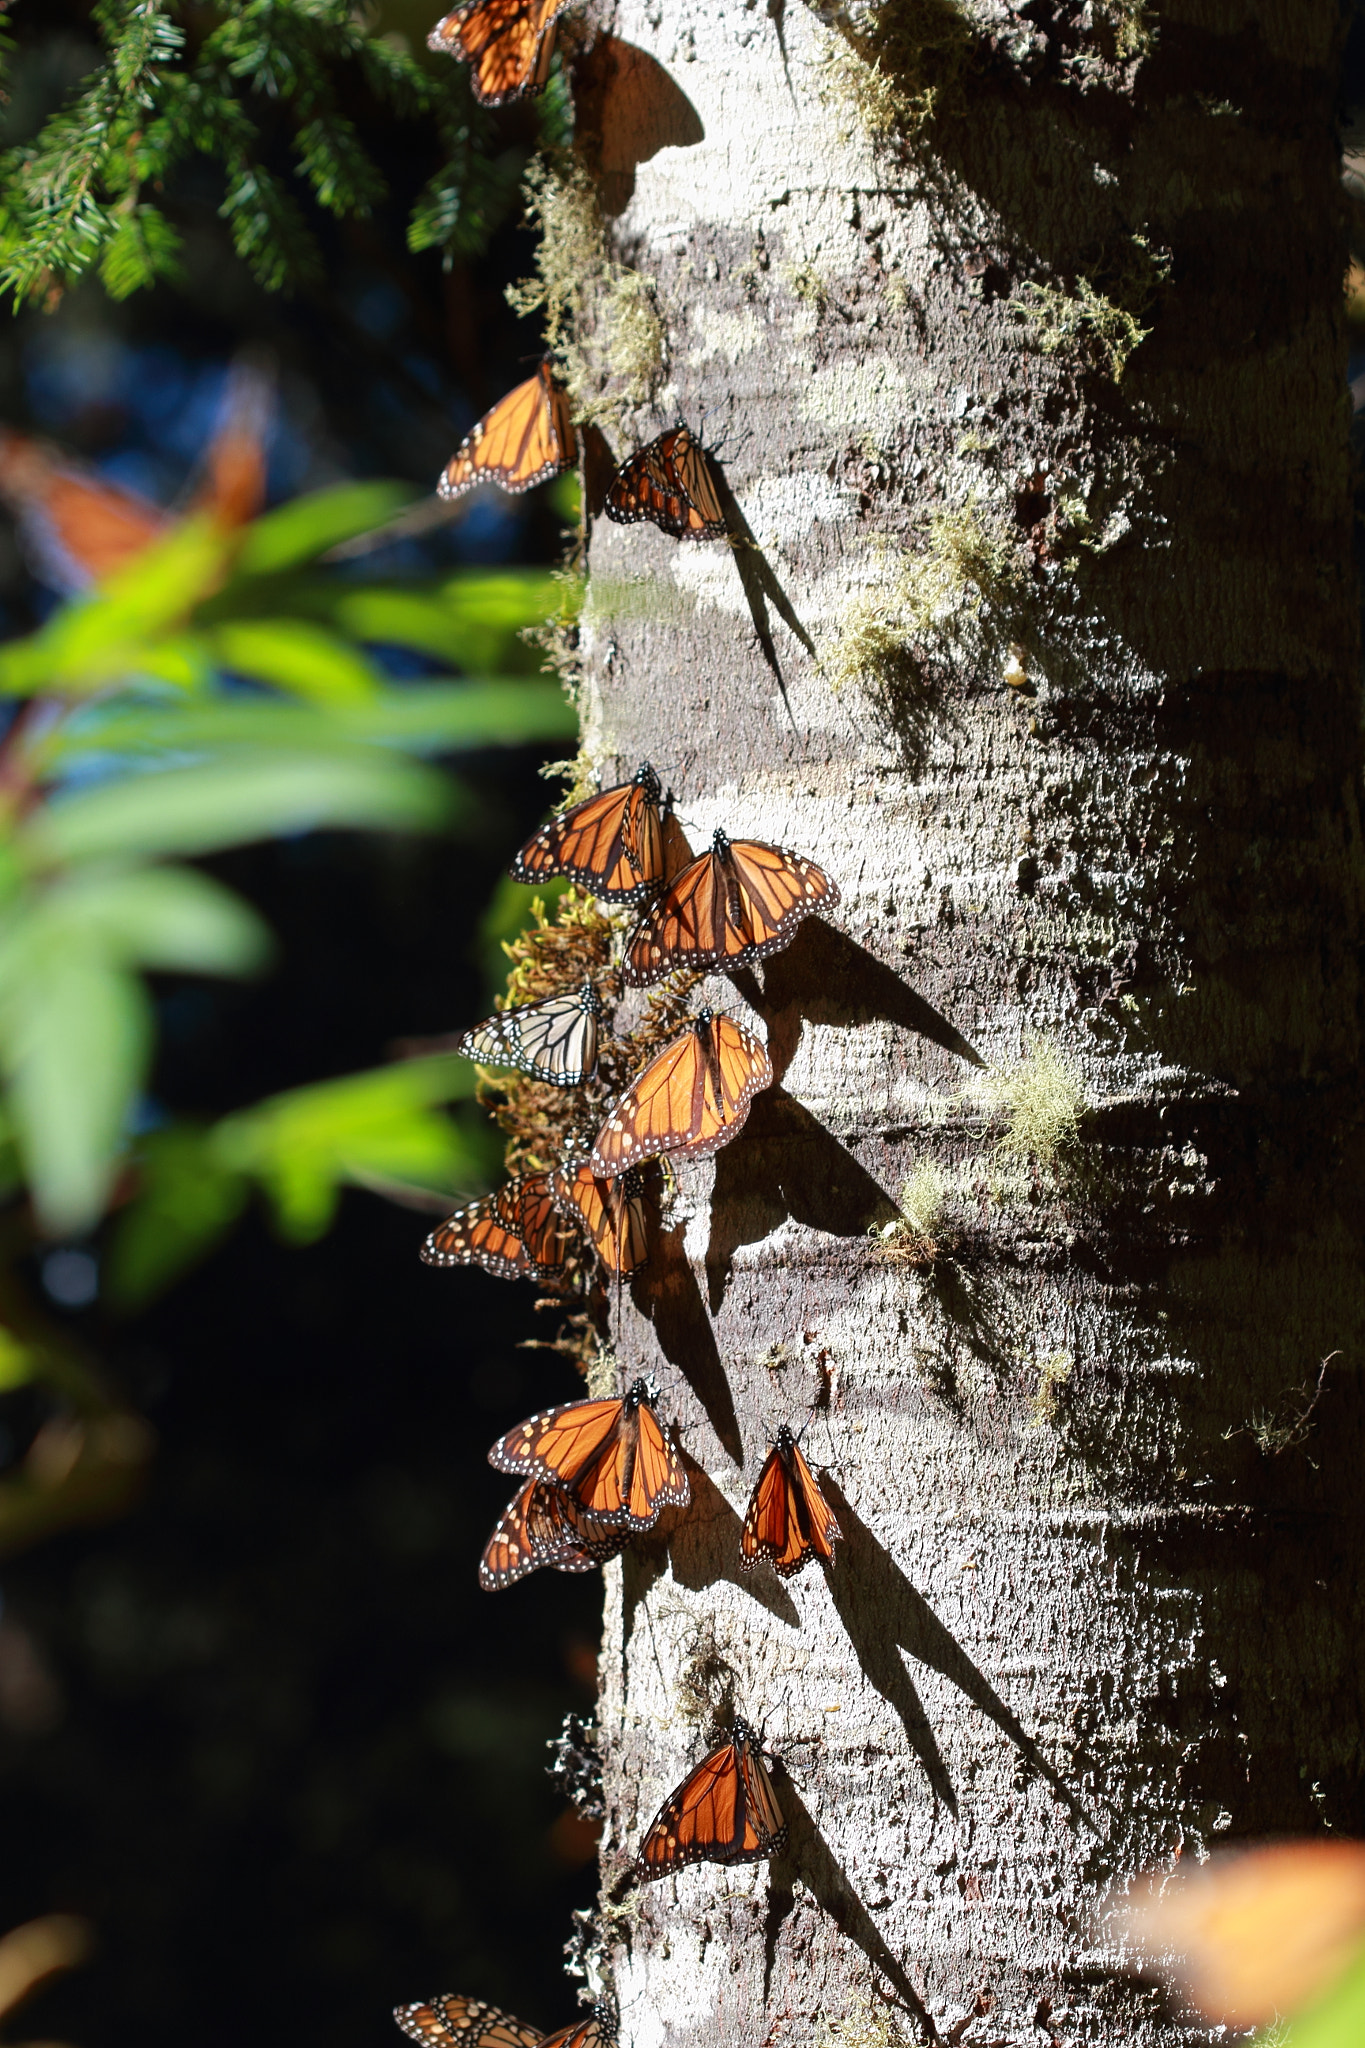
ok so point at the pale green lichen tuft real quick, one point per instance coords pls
(1043, 1101)
(602, 325)
(1131, 24)
(1107, 322)
(920, 1235)
(804, 282)
(868, 2023)
(970, 562)
(1053, 1374)
(892, 77)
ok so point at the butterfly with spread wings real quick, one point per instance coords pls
(507, 45)
(78, 528)
(525, 438)
(725, 1811)
(612, 1213)
(554, 1040)
(612, 1456)
(789, 1521)
(613, 842)
(516, 1234)
(670, 483)
(454, 2022)
(691, 1099)
(739, 902)
(545, 1527)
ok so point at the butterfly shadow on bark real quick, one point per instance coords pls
(786, 1165)
(665, 1289)
(825, 977)
(762, 592)
(807, 1857)
(626, 109)
(885, 1616)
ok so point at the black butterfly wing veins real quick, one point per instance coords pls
(738, 902)
(543, 1527)
(612, 843)
(669, 483)
(725, 1811)
(451, 2021)
(507, 45)
(525, 438)
(554, 1040)
(789, 1521)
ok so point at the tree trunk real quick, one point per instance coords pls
(1041, 637)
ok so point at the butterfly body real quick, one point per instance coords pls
(612, 1456)
(789, 1521)
(516, 1234)
(611, 1212)
(740, 901)
(613, 842)
(507, 45)
(525, 438)
(554, 1040)
(692, 1098)
(544, 1527)
(725, 1811)
(670, 484)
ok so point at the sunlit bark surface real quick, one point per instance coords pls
(1096, 805)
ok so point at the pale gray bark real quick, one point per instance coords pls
(1076, 1628)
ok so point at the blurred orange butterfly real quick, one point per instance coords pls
(507, 45)
(612, 842)
(523, 439)
(725, 1812)
(455, 2022)
(516, 1233)
(78, 528)
(554, 1040)
(789, 1520)
(612, 1212)
(544, 1526)
(670, 483)
(612, 1456)
(691, 1099)
(735, 904)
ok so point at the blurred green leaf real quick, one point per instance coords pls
(167, 918)
(18, 1362)
(1336, 2021)
(296, 656)
(307, 527)
(429, 718)
(186, 1200)
(253, 795)
(75, 1032)
(303, 1146)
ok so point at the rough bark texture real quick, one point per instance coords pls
(1084, 1620)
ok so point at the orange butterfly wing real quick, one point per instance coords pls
(725, 1812)
(611, 1456)
(544, 1526)
(454, 2022)
(594, 2030)
(789, 1521)
(737, 903)
(507, 45)
(526, 437)
(613, 842)
(691, 1099)
(611, 1211)
(516, 1233)
(669, 482)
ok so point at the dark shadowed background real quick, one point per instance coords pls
(265, 1730)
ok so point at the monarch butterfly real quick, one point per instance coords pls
(516, 1233)
(80, 528)
(545, 1526)
(507, 45)
(526, 437)
(612, 1212)
(612, 1456)
(725, 1812)
(788, 1520)
(454, 2022)
(613, 842)
(670, 483)
(735, 904)
(555, 1039)
(691, 1099)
